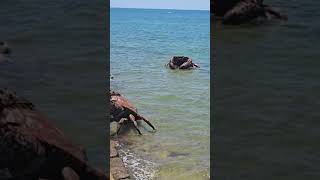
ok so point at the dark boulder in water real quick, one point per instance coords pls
(31, 147)
(181, 62)
(244, 11)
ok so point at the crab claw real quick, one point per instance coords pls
(148, 122)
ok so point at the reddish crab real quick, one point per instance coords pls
(122, 109)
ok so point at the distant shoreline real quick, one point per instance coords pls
(162, 9)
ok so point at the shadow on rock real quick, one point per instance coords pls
(31, 147)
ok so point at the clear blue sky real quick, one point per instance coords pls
(162, 4)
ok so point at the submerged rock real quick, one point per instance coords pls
(244, 11)
(117, 169)
(113, 150)
(181, 62)
(31, 147)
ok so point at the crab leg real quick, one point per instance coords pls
(120, 123)
(133, 119)
(148, 122)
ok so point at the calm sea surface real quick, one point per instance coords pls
(267, 97)
(58, 63)
(177, 102)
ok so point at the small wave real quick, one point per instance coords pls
(141, 169)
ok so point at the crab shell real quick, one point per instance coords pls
(122, 103)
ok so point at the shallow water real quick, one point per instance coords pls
(58, 59)
(177, 102)
(266, 102)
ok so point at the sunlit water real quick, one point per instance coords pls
(176, 102)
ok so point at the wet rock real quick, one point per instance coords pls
(32, 147)
(113, 128)
(117, 169)
(113, 150)
(111, 177)
(181, 62)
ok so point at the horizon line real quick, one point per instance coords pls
(160, 8)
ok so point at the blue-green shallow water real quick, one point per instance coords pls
(177, 102)
(58, 52)
(266, 99)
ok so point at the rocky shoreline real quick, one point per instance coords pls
(32, 147)
(117, 169)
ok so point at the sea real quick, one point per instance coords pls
(177, 102)
(267, 96)
(59, 62)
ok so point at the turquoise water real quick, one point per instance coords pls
(177, 102)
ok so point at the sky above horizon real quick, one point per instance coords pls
(162, 4)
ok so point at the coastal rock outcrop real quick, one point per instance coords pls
(117, 169)
(122, 110)
(181, 62)
(31, 147)
(244, 11)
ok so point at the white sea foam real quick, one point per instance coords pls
(140, 169)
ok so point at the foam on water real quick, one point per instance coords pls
(140, 168)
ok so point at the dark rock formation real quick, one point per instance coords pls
(181, 62)
(244, 11)
(31, 147)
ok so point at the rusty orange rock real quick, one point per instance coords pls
(32, 147)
